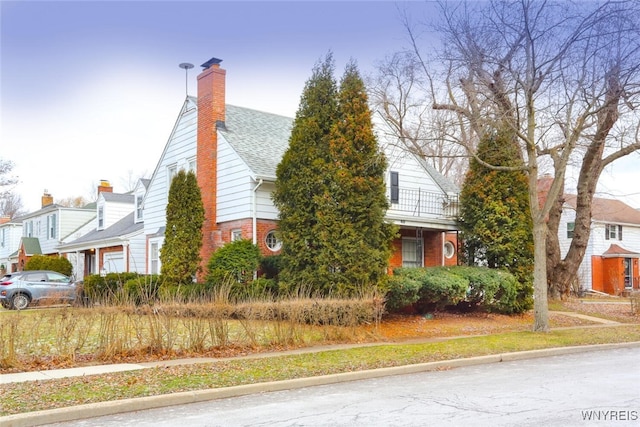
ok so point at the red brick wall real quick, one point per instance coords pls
(246, 225)
(211, 109)
(433, 242)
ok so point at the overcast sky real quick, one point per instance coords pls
(91, 90)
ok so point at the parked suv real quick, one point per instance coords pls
(20, 289)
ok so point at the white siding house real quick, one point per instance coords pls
(10, 234)
(116, 241)
(610, 263)
(248, 145)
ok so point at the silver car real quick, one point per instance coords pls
(20, 289)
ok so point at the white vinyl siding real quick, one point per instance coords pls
(180, 150)
(236, 189)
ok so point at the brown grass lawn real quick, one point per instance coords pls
(394, 328)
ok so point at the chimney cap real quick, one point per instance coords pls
(209, 63)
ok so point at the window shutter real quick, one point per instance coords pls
(619, 232)
(395, 187)
(606, 231)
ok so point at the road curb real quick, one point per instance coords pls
(151, 402)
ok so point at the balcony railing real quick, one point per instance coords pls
(420, 203)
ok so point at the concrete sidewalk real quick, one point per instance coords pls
(183, 398)
(137, 404)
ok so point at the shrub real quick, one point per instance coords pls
(54, 263)
(468, 288)
(237, 260)
(142, 289)
(270, 266)
(403, 292)
(106, 288)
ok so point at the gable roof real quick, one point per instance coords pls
(609, 210)
(31, 246)
(259, 138)
(124, 227)
(117, 197)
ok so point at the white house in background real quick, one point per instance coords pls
(10, 234)
(235, 151)
(610, 263)
(48, 227)
(116, 242)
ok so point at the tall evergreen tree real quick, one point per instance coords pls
(330, 190)
(352, 208)
(495, 220)
(301, 177)
(180, 254)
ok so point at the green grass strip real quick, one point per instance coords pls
(40, 395)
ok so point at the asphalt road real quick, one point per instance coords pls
(551, 391)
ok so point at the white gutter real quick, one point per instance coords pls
(255, 211)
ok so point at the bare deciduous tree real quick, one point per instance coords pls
(564, 77)
(10, 202)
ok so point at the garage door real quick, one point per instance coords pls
(113, 262)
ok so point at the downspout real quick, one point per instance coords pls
(255, 211)
(255, 218)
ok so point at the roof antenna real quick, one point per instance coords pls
(186, 67)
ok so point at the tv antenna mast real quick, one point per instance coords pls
(186, 67)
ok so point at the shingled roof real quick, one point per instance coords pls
(259, 138)
(609, 210)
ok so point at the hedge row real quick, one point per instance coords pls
(461, 287)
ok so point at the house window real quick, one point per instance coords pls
(613, 232)
(192, 164)
(236, 235)
(51, 226)
(272, 241)
(570, 228)
(2, 237)
(411, 252)
(449, 250)
(153, 258)
(395, 187)
(172, 170)
(138, 207)
(28, 230)
(100, 217)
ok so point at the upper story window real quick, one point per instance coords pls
(28, 229)
(52, 226)
(138, 198)
(570, 229)
(192, 164)
(394, 181)
(172, 170)
(2, 237)
(613, 232)
(100, 217)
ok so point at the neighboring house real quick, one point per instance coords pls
(10, 234)
(115, 242)
(610, 262)
(50, 226)
(235, 151)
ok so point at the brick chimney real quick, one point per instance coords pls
(211, 117)
(47, 199)
(105, 187)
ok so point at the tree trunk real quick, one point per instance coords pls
(540, 303)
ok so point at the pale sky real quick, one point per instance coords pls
(91, 90)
